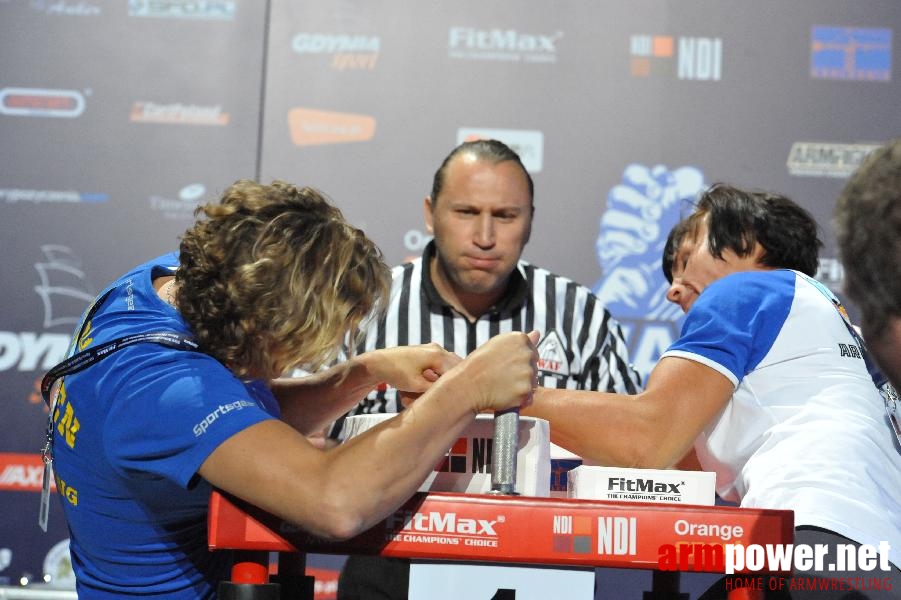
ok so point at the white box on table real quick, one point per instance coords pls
(642, 485)
(467, 467)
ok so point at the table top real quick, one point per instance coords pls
(519, 529)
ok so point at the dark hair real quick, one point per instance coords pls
(738, 219)
(868, 229)
(673, 241)
(493, 151)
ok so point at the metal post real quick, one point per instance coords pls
(504, 449)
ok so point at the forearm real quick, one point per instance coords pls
(340, 492)
(351, 487)
(606, 429)
(653, 429)
(399, 455)
(310, 403)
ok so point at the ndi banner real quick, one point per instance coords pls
(118, 118)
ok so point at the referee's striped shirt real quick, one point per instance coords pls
(581, 345)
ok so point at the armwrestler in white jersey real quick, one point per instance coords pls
(767, 382)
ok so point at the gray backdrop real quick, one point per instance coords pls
(117, 118)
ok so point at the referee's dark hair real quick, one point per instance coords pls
(493, 151)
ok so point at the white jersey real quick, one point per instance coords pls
(806, 428)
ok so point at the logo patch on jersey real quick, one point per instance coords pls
(849, 351)
(552, 357)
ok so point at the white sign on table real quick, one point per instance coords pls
(452, 581)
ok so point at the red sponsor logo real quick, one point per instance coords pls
(455, 460)
(36, 102)
(314, 127)
(21, 472)
(326, 584)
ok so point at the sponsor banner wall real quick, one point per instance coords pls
(118, 118)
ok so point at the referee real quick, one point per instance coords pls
(469, 285)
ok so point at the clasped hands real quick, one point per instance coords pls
(500, 374)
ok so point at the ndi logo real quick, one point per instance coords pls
(458, 460)
(851, 53)
(572, 534)
(617, 535)
(455, 460)
(697, 58)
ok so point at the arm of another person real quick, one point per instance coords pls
(653, 429)
(343, 491)
(310, 403)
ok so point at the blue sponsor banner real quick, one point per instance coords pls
(852, 53)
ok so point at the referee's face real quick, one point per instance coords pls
(481, 223)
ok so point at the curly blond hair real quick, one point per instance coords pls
(275, 277)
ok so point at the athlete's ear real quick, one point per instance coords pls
(428, 208)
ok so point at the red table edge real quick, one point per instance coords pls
(230, 520)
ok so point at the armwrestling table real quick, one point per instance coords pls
(504, 529)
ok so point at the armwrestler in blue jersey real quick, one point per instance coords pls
(273, 277)
(767, 381)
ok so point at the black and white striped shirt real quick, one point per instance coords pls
(581, 345)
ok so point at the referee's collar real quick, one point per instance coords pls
(513, 298)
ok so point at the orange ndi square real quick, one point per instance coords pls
(663, 45)
(581, 525)
(641, 67)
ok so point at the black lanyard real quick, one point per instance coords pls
(82, 360)
(878, 378)
(886, 389)
(91, 356)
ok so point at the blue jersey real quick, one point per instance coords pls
(130, 434)
(805, 429)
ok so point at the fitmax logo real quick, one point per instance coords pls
(621, 484)
(436, 522)
(507, 45)
(496, 39)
